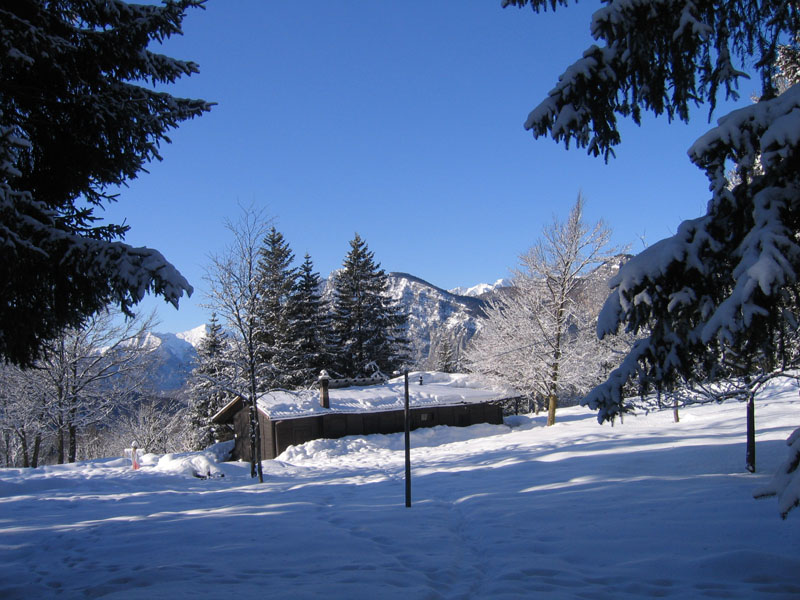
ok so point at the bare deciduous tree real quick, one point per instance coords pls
(84, 376)
(234, 293)
(540, 335)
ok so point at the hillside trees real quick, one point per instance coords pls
(539, 336)
(446, 358)
(78, 117)
(368, 325)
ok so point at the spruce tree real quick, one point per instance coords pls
(78, 118)
(276, 280)
(207, 399)
(368, 325)
(310, 327)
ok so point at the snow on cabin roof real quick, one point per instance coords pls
(437, 389)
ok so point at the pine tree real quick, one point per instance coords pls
(368, 325)
(276, 280)
(310, 327)
(78, 116)
(207, 398)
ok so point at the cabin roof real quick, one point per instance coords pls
(437, 389)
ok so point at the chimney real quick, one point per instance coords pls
(323, 389)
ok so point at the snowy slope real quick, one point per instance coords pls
(433, 314)
(650, 508)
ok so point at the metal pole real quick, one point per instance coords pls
(750, 453)
(408, 446)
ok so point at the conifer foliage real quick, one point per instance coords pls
(368, 325)
(74, 122)
(310, 327)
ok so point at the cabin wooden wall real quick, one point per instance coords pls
(276, 436)
(241, 429)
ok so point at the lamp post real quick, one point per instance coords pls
(407, 429)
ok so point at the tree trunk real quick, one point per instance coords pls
(73, 443)
(23, 440)
(60, 444)
(551, 409)
(750, 456)
(553, 401)
(37, 444)
(675, 416)
(255, 430)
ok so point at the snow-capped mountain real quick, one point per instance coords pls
(434, 314)
(480, 289)
(175, 355)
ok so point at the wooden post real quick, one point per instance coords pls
(408, 445)
(324, 399)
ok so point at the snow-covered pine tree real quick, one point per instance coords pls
(206, 395)
(446, 359)
(276, 280)
(368, 325)
(726, 279)
(309, 327)
(79, 116)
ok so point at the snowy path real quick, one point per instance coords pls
(647, 509)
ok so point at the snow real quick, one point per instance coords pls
(438, 389)
(578, 510)
(194, 336)
(480, 289)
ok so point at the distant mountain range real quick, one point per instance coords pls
(434, 315)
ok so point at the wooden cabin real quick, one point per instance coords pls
(363, 407)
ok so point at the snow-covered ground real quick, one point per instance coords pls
(646, 509)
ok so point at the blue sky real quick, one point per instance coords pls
(400, 121)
